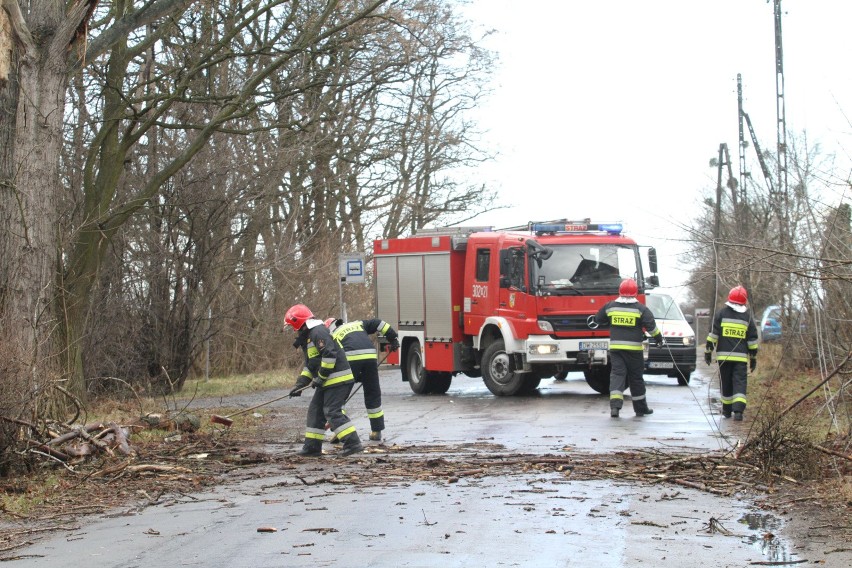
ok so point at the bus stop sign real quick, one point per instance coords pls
(352, 267)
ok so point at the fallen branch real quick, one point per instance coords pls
(816, 388)
(44, 529)
(110, 470)
(52, 452)
(14, 546)
(121, 439)
(101, 445)
(18, 421)
(75, 433)
(699, 486)
(157, 468)
(831, 452)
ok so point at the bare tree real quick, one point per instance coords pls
(46, 308)
(807, 270)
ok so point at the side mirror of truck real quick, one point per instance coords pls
(652, 260)
(652, 281)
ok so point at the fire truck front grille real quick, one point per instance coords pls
(568, 323)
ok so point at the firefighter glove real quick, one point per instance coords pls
(707, 358)
(658, 341)
(394, 344)
(317, 382)
(752, 363)
(301, 383)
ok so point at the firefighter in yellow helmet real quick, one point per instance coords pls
(734, 336)
(628, 320)
(327, 370)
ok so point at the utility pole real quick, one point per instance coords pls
(781, 134)
(743, 172)
(743, 210)
(781, 127)
(724, 160)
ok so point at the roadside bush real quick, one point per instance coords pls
(784, 444)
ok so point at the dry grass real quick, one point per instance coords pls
(19, 500)
(238, 384)
(133, 404)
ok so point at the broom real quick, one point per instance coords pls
(226, 420)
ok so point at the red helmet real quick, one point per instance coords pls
(738, 295)
(297, 316)
(628, 288)
(332, 324)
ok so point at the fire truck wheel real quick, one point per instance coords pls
(413, 370)
(598, 379)
(498, 371)
(439, 382)
(531, 383)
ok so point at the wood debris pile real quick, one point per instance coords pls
(81, 441)
(72, 444)
(717, 473)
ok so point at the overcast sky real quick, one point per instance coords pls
(613, 109)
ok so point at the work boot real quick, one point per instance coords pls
(613, 412)
(376, 436)
(738, 416)
(726, 413)
(312, 448)
(641, 408)
(351, 445)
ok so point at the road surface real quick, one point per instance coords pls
(378, 509)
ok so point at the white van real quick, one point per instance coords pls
(676, 358)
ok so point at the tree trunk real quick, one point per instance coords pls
(30, 196)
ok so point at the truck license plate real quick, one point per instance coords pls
(590, 345)
(661, 365)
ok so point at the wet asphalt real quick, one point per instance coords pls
(527, 519)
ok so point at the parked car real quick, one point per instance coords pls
(770, 324)
(676, 358)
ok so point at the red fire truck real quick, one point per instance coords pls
(512, 306)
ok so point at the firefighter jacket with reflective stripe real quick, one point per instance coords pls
(325, 360)
(354, 337)
(734, 335)
(627, 322)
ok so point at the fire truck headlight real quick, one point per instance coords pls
(544, 325)
(544, 349)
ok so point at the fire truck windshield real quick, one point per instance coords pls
(586, 269)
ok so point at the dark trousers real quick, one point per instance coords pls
(367, 373)
(627, 369)
(327, 406)
(734, 379)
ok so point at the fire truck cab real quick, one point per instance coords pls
(512, 306)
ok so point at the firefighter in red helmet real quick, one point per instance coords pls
(628, 321)
(327, 370)
(734, 336)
